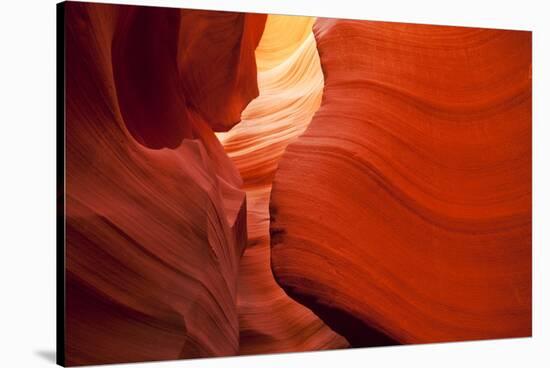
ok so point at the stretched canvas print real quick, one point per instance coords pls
(234, 183)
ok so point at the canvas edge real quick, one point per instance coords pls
(60, 183)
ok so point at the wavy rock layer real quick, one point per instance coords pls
(283, 34)
(290, 83)
(153, 237)
(403, 213)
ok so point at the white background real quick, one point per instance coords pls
(27, 182)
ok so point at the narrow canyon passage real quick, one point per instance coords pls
(290, 81)
(372, 184)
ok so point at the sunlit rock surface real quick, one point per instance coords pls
(290, 85)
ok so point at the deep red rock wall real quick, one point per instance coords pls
(154, 236)
(404, 211)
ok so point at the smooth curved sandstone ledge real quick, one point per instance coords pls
(403, 213)
(153, 236)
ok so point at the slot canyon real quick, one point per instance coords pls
(242, 183)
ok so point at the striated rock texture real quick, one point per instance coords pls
(403, 213)
(290, 83)
(243, 184)
(283, 34)
(153, 236)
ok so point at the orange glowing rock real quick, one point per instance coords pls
(403, 213)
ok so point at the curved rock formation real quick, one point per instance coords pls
(153, 237)
(216, 62)
(403, 213)
(168, 62)
(290, 83)
(377, 189)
